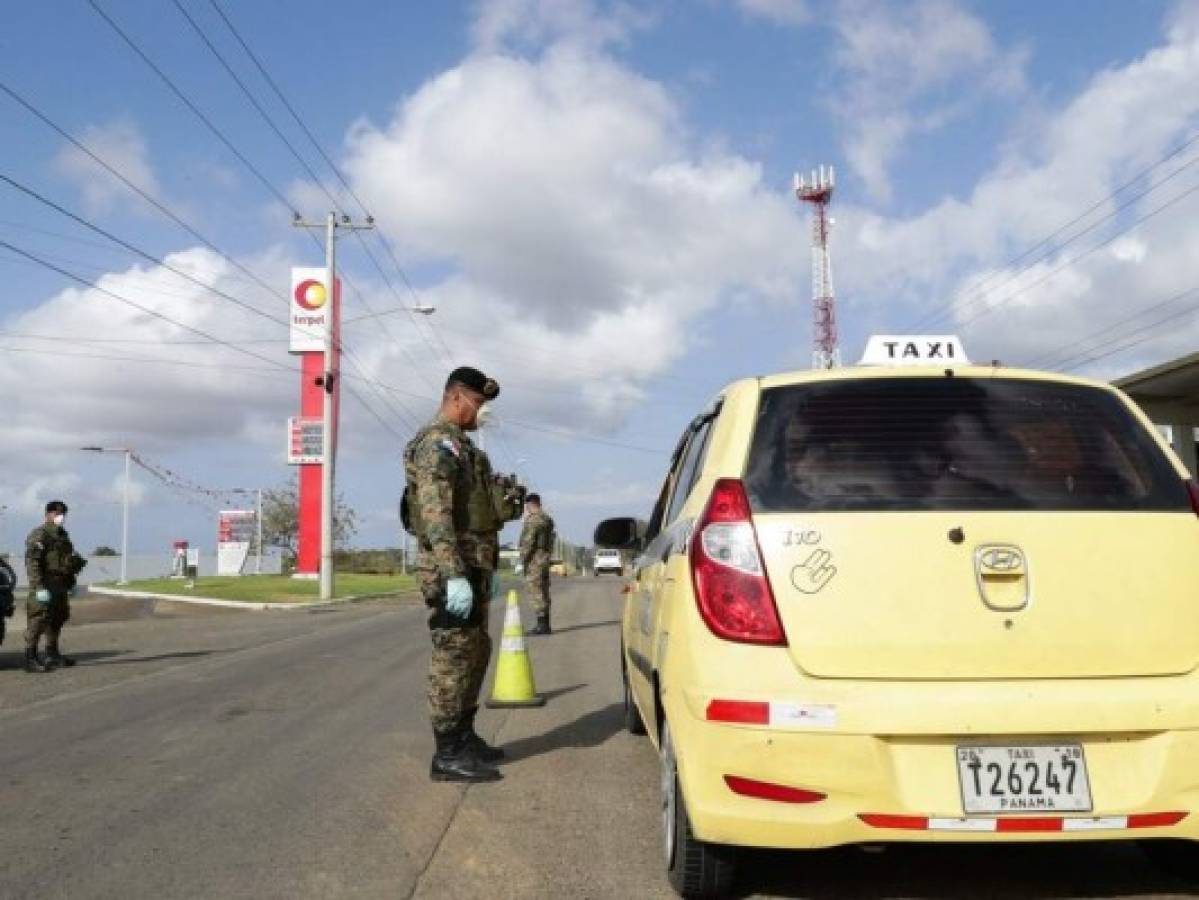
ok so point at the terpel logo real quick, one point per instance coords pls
(311, 294)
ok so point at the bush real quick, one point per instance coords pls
(369, 562)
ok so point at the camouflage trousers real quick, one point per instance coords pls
(456, 671)
(537, 579)
(46, 619)
(461, 652)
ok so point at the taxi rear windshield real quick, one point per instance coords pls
(954, 443)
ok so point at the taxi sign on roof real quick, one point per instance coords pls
(914, 350)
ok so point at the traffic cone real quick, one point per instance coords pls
(513, 671)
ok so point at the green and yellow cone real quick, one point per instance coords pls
(513, 672)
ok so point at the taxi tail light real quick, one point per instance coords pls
(1193, 493)
(765, 790)
(731, 587)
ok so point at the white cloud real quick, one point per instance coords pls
(121, 145)
(898, 63)
(782, 12)
(94, 390)
(579, 218)
(512, 24)
(1123, 120)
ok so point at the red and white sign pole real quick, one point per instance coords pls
(316, 336)
(315, 317)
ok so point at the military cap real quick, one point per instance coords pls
(533, 498)
(475, 380)
(56, 506)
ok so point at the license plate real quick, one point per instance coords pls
(1024, 779)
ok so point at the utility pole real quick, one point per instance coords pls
(125, 506)
(258, 519)
(328, 380)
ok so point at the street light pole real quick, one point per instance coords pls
(125, 522)
(258, 517)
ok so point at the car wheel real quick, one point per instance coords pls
(633, 722)
(695, 868)
(1175, 857)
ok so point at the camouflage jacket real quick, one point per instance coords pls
(49, 555)
(537, 536)
(449, 489)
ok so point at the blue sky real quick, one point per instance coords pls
(596, 197)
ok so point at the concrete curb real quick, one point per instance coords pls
(236, 604)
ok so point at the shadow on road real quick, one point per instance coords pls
(123, 659)
(562, 691)
(16, 660)
(10, 660)
(589, 730)
(607, 623)
(952, 871)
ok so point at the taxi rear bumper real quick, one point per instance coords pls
(905, 788)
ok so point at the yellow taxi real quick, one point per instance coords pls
(916, 600)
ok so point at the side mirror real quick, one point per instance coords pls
(620, 534)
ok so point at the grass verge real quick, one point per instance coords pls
(272, 588)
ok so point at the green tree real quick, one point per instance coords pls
(281, 518)
(105, 550)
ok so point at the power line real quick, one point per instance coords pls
(145, 279)
(336, 171)
(220, 135)
(141, 359)
(265, 116)
(138, 306)
(156, 342)
(1081, 256)
(162, 263)
(979, 291)
(30, 192)
(1055, 358)
(254, 101)
(1085, 357)
(195, 109)
(153, 201)
(198, 331)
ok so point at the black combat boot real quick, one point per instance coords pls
(475, 744)
(54, 659)
(33, 662)
(543, 624)
(452, 761)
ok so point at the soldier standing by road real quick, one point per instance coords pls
(51, 565)
(536, 547)
(450, 509)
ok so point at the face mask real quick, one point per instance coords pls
(58, 520)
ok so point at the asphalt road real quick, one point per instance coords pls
(198, 753)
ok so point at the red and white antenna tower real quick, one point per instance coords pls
(818, 191)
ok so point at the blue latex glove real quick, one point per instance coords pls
(459, 597)
(42, 596)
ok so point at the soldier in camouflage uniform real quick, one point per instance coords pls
(536, 548)
(450, 509)
(52, 565)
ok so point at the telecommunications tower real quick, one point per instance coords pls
(818, 191)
